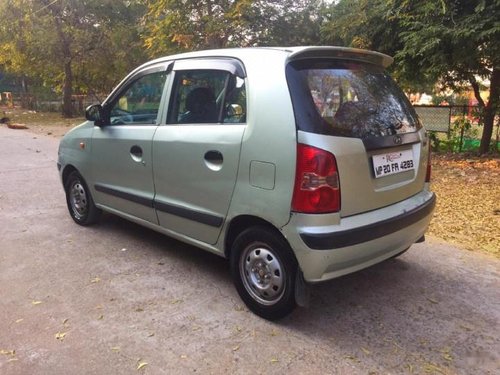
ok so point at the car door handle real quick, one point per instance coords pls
(213, 160)
(214, 156)
(136, 153)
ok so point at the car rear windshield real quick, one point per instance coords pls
(348, 99)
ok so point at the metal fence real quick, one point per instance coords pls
(439, 118)
(31, 102)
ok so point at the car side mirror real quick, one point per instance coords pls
(94, 113)
(235, 113)
(235, 110)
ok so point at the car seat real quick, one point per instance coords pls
(200, 107)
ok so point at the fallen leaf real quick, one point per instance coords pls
(465, 327)
(101, 317)
(431, 368)
(115, 349)
(95, 280)
(236, 348)
(447, 356)
(65, 321)
(8, 352)
(36, 302)
(446, 352)
(274, 360)
(366, 351)
(141, 365)
(19, 320)
(432, 300)
(151, 334)
(60, 335)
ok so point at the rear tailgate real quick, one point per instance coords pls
(353, 109)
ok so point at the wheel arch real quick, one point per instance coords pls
(239, 224)
(68, 169)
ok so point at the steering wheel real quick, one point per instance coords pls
(121, 117)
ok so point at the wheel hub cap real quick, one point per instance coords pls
(78, 199)
(263, 275)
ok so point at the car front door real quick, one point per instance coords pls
(196, 152)
(122, 146)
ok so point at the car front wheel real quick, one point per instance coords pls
(264, 270)
(80, 203)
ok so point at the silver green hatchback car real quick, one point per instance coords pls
(298, 164)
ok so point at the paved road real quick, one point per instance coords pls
(107, 299)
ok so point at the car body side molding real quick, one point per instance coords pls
(124, 195)
(187, 213)
(200, 217)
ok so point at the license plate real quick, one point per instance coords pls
(392, 163)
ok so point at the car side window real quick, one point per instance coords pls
(207, 97)
(140, 102)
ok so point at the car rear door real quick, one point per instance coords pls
(196, 151)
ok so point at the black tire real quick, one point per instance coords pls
(79, 200)
(264, 269)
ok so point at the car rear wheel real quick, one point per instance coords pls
(80, 203)
(264, 270)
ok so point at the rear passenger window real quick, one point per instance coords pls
(207, 97)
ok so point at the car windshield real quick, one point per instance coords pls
(348, 99)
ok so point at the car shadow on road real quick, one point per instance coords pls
(161, 246)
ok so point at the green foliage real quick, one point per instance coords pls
(365, 24)
(451, 40)
(185, 25)
(70, 44)
(462, 137)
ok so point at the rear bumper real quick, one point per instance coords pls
(350, 237)
(327, 246)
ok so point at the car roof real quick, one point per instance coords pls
(289, 53)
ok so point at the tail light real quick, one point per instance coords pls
(317, 187)
(429, 167)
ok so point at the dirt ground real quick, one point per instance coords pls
(468, 208)
(42, 123)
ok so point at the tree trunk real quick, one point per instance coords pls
(489, 111)
(67, 108)
(65, 43)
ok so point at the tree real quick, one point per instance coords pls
(447, 41)
(181, 25)
(61, 41)
(456, 42)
